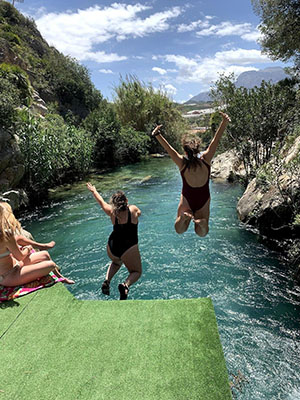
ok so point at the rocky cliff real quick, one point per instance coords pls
(273, 206)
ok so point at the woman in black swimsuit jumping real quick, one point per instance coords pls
(122, 244)
(195, 173)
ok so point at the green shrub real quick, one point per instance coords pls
(9, 100)
(131, 145)
(19, 79)
(104, 128)
(53, 151)
(11, 37)
(71, 83)
(141, 107)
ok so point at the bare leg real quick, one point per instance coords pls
(24, 241)
(201, 227)
(201, 220)
(133, 263)
(111, 271)
(42, 256)
(182, 222)
(114, 266)
(184, 216)
(28, 273)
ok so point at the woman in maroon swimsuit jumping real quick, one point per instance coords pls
(195, 172)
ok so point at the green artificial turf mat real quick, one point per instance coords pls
(10, 311)
(63, 348)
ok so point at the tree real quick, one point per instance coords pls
(141, 107)
(280, 26)
(261, 117)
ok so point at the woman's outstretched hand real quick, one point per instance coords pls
(91, 187)
(225, 117)
(156, 131)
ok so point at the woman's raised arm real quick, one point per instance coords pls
(107, 208)
(210, 152)
(175, 156)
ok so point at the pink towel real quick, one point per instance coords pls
(13, 292)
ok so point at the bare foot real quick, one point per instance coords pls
(59, 275)
(186, 216)
(46, 246)
(68, 281)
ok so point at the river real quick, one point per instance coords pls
(257, 304)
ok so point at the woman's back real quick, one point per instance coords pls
(196, 176)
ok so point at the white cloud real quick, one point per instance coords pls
(161, 71)
(193, 26)
(102, 57)
(206, 70)
(106, 71)
(252, 36)
(241, 56)
(170, 89)
(225, 29)
(78, 33)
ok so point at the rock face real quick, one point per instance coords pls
(271, 209)
(11, 162)
(227, 167)
(38, 106)
(268, 211)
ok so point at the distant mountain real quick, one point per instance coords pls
(248, 79)
(203, 96)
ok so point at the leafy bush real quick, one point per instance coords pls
(19, 79)
(15, 91)
(131, 145)
(53, 151)
(104, 128)
(71, 83)
(141, 107)
(9, 100)
(11, 37)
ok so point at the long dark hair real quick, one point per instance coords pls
(119, 202)
(192, 148)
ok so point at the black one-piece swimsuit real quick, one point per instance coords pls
(123, 237)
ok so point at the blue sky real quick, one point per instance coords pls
(179, 47)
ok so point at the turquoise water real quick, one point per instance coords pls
(256, 302)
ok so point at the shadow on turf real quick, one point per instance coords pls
(9, 304)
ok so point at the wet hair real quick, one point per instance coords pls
(192, 148)
(119, 202)
(9, 225)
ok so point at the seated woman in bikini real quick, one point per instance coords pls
(21, 239)
(18, 265)
(194, 168)
(122, 244)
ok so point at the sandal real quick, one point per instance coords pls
(123, 289)
(105, 287)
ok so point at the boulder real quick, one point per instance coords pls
(227, 167)
(16, 198)
(270, 206)
(266, 210)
